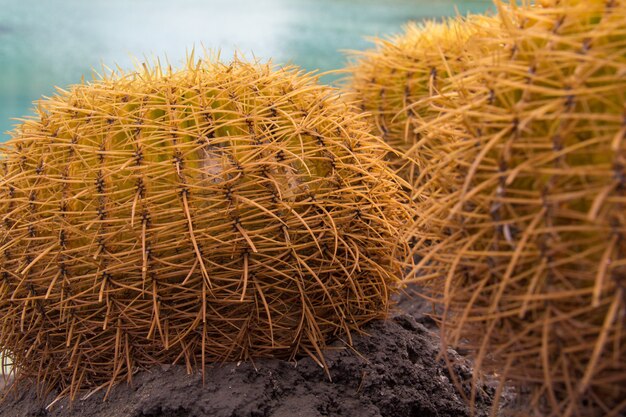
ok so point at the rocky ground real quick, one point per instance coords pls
(394, 371)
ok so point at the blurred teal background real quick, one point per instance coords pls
(44, 43)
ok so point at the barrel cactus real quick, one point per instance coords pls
(397, 81)
(531, 258)
(217, 212)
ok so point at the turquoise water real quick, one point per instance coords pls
(44, 43)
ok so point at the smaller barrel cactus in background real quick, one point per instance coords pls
(397, 81)
(218, 212)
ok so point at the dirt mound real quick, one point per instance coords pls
(392, 372)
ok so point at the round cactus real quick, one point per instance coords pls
(531, 261)
(218, 212)
(397, 81)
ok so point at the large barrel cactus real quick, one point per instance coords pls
(218, 212)
(528, 248)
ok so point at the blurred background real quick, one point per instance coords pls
(47, 43)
